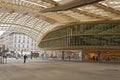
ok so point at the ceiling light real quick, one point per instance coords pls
(57, 0)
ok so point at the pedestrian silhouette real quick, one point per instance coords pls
(25, 57)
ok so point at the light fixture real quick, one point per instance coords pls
(57, 0)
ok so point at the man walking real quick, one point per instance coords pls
(25, 57)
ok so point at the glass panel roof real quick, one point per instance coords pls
(26, 15)
(95, 10)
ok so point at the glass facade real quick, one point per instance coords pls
(90, 34)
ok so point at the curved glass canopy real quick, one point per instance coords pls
(26, 16)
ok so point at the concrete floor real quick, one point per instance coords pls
(58, 70)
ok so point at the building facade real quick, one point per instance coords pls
(95, 41)
(19, 43)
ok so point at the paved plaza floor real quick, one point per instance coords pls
(37, 69)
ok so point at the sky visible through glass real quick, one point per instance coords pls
(1, 32)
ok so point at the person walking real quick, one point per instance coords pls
(31, 54)
(25, 57)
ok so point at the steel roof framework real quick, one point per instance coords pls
(26, 16)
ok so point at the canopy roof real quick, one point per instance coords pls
(29, 16)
